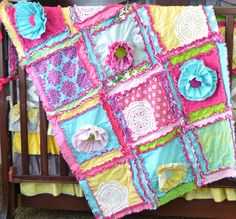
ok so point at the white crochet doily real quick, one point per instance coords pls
(191, 25)
(140, 118)
(112, 197)
(84, 12)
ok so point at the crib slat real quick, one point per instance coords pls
(63, 166)
(23, 121)
(14, 93)
(43, 141)
(229, 38)
(225, 11)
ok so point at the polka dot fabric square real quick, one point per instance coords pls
(145, 107)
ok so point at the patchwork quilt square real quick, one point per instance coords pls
(216, 144)
(167, 168)
(198, 81)
(119, 46)
(123, 187)
(89, 16)
(143, 103)
(63, 76)
(178, 26)
(94, 144)
(31, 33)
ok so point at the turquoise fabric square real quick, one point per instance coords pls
(172, 152)
(96, 116)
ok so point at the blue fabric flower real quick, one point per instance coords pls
(30, 19)
(197, 82)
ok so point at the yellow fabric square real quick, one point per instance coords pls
(121, 174)
(177, 26)
(83, 107)
(99, 160)
(164, 24)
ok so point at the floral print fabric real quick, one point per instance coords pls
(63, 77)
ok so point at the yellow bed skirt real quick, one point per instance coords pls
(217, 194)
(55, 189)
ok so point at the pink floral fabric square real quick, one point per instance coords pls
(62, 77)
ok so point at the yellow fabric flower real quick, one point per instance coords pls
(171, 175)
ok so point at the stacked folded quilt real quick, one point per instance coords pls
(138, 97)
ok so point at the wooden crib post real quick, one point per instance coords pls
(4, 134)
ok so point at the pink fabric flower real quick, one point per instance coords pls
(90, 138)
(69, 69)
(120, 57)
(69, 88)
(54, 77)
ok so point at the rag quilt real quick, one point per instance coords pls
(138, 97)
